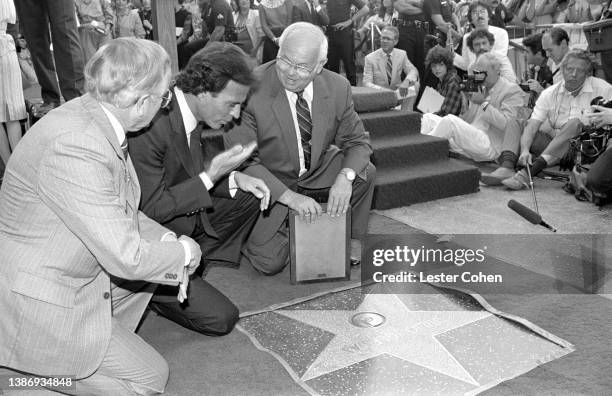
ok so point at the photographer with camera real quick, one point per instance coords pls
(556, 117)
(599, 177)
(490, 112)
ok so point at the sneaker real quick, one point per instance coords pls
(519, 181)
(495, 178)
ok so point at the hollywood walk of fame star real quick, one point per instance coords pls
(405, 334)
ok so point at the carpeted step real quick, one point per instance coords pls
(391, 122)
(408, 150)
(372, 99)
(405, 185)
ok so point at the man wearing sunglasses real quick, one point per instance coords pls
(489, 114)
(311, 143)
(198, 196)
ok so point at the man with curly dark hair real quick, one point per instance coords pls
(187, 193)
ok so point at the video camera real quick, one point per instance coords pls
(473, 82)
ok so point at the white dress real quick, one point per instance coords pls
(12, 103)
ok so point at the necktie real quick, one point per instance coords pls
(389, 68)
(305, 125)
(196, 149)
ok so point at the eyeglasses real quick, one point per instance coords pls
(479, 12)
(302, 71)
(166, 98)
(387, 38)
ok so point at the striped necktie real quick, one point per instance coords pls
(389, 68)
(305, 125)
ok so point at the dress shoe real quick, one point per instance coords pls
(519, 181)
(495, 178)
(355, 262)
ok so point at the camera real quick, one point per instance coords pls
(525, 87)
(600, 101)
(472, 82)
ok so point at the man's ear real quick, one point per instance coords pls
(320, 65)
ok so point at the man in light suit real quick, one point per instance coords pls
(384, 68)
(192, 198)
(491, 113)
(311, 143)
(76, 255)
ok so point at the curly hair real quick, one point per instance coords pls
(479, 33)
(438, 55)
(213, 67)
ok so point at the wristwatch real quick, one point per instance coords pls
(348, 173)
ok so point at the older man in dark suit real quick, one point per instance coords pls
(311, 143)
(195, 196)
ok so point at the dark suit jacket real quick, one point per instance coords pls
(302, 12)
(172, 192)
(338, 140)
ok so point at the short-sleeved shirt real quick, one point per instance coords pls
(500, 16)
(434, 7)
(217, 13)
(556, 105)
(340, 10)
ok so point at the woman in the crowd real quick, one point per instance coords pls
(275, 16)
(128, 23)
(96, 19)
(384, 17)
(439, 61)
(248, 28)
(479, 13)
(12, 103)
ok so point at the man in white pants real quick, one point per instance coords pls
(479, 131)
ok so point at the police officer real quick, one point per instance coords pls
(411, 26)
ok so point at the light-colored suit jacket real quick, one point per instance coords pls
(505, 99)
(375, 70)
(338, 140)
(69, 220)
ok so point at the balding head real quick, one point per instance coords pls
(302, 54)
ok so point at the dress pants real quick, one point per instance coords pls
(272, 256)
(412, 40)
(35, 18)
(341, 47)
(463, 138)
(207, 310)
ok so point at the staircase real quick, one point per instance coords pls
(411, 167)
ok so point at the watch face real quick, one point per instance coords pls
(350, 175)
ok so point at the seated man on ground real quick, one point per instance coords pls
(384, 68)
(310, 143)
(478, 132)
(539, 76)
(440, 61)
(193, 195)
(556, 117)
(480, 41)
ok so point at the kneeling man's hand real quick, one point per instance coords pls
(307, 207)
(339, 196)
(228, 160)
(255, 186)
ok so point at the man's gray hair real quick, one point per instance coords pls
(492, 59)
(125, 69)
(299, 29)
(391, 29)
(579, 54)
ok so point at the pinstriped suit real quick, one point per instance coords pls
(68, 219)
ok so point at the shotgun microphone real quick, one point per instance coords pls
(528, 214)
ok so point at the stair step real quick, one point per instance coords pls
(371, 99)
(392, 122)
(406, 185)
(408, 150)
